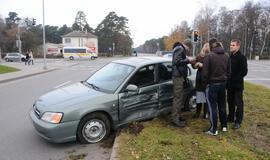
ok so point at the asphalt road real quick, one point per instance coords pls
(18, 138)
(259, 72)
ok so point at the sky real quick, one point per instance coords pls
(147, 18)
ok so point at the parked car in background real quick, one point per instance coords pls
(162, 53)
(123, 91)
(168, 55)
(10, 57)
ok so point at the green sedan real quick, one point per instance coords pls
(122, 91)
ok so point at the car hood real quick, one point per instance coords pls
(71, 94)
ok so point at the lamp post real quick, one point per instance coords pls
(19, 44)
(113, 48)
(44, 47)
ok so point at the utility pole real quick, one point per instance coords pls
(19, 44)
(113, 47)
(44, 47)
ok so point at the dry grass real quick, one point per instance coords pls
(159, 140)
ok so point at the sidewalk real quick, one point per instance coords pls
(31, 70)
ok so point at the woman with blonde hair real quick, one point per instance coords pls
(199, 86)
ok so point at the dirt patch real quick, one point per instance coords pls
(254, 135)
(71, 151)
(108, 143)
(165, 143)
(133, 128)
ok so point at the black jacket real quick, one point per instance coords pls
(179, 62)
(216, 67)
(238, 71)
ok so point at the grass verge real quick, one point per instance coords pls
(159, 140)
(6, 69)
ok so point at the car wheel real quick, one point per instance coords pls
(71, 58)
(7, 60)
(92, 58)
(23, 60)
(190, 103)
(93, 128)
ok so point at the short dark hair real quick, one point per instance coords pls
(237, 41)
(176, 44)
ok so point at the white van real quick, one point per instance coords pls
(78, 53)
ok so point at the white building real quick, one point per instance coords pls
(80, 39)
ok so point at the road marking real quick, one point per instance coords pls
(260, 65)
(257, 79)
(61, 85)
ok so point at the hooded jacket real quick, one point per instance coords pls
(179, 62)
(239, 70)
(216, 67)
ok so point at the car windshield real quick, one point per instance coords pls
(110, 77)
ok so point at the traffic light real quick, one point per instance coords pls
(196, 36)
(34, 22)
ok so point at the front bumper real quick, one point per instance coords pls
(57, 133)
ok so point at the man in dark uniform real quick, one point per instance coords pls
(179, 72)
(235, 85)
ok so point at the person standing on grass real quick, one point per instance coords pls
(199, 86)
(179, 73)
(215, 73)
(235, 85)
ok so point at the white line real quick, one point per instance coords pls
(62, 84)
(257, 79)
(261, 65)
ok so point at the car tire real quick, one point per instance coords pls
(93, 128)
(7, 60)
(23, 59)
(190, 102)
(92, 58)
(71, 58)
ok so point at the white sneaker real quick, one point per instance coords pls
(211, 133)
(224, 129)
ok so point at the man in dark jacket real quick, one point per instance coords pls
(179, 72)
(235, 85)
(215, 73)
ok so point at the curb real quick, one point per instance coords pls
(115, 147)
(28, 75)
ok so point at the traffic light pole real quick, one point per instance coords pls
(193, 49)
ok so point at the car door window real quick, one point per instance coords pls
(144, 76)
(164, 71)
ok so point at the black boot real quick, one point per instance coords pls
(198, 110)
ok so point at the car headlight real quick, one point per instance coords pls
(52, 117)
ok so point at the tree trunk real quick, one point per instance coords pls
(264, 42)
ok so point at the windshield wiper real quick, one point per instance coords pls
(92, 85)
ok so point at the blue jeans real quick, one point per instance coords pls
(216, 99)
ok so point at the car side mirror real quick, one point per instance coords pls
(132, 88)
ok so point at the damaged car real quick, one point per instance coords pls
(121, 92)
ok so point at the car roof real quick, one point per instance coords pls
(142, 61)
